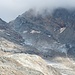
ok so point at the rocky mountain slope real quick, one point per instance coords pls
(12, 63)
(12, 41)
(24, 64)
(9, 34)
(47, 32)
(31, 36)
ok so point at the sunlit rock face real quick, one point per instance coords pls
(25, 64)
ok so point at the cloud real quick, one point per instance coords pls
(10, 9)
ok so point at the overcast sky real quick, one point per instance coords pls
(10, 9)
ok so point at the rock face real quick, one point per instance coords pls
(9, 34)
(48, 31)
(66, 66)
(12, 41)
(22, 64)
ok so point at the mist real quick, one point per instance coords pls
(10, 9)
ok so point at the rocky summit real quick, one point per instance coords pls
(38, 43)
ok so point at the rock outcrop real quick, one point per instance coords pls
(25, 64)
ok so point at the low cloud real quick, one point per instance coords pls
(10, 9)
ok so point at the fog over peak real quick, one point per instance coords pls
(10, 9)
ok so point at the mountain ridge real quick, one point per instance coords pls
(31, 36)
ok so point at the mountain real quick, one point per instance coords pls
(38, 43)
(11, 41)
(11, 44)
(47, 32)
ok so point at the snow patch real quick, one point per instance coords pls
(7, 34)
(62, 29)
(49, 35)
(34, 31)
(2, 30)
(28, 42)
(25, 31)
